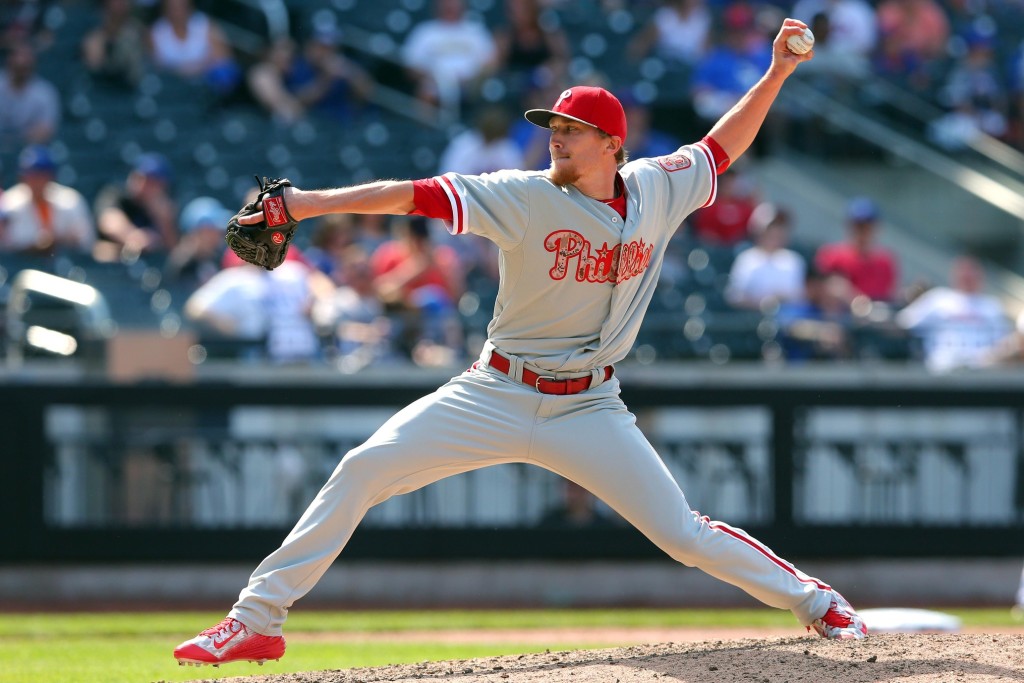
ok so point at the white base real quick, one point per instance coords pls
(905, 620)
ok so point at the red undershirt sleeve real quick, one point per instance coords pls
(430, 200)
(722, 160)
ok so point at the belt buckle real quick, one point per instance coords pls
(536, 385)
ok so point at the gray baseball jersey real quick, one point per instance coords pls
(576, 277)
(575, 281)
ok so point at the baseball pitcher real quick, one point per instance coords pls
(581, 246)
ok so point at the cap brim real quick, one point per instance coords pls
(542, 117)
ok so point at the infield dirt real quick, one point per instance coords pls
(894, 658)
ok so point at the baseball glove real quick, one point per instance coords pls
(264, 243)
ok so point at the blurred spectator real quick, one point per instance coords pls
(975, 97)
(645, 141)
(139, 216)
(289, 84)
(913, 37)
(1015, 71)
(836, 65)
(355, 315)
(448, 55)
(731, 67)
(148, 10)
(677, 33)
(271, 308)
(30, 110)
(533, 140)
(767, 273)
(917, 28)
(578, 509)
(817, 326)
(371, 230)
(197, 256)
(484, 148)
(25, 20)
(852, 25)
(333, 234)
(725, 222)
(188, 43)
(531, 46)
(411, 262)
(41, 215)
(872, 269)
(959, 325)
(1010, 349)
(420, 283)
(968, 16)
(116, 50)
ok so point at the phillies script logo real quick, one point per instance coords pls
(273, 209)
(616, 264)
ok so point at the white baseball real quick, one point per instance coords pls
(799, 44)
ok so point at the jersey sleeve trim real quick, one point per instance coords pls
(709, 157)
(430, 200)
(721, 159)
(458, 222)
(438, 197)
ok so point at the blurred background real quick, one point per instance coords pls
(832, 359)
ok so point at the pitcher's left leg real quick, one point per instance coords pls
(599, 446)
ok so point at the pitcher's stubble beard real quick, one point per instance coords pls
(563, 176)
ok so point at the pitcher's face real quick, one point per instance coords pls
(575, 148)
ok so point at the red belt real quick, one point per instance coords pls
(548, 385)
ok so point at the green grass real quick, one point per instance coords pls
(121, 648)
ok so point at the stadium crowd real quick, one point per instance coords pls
(361, 290)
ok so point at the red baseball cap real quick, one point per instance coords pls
(593, 106)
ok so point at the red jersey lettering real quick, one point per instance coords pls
(607, 264)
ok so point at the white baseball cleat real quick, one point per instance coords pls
(840, 622)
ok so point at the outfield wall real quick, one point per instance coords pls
(868, 583)
(824, 463)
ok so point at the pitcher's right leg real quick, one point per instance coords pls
(473, 421)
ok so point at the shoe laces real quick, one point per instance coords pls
(224, 629)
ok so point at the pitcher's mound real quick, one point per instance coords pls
(939, 658)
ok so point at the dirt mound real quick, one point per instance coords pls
(906, 658)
